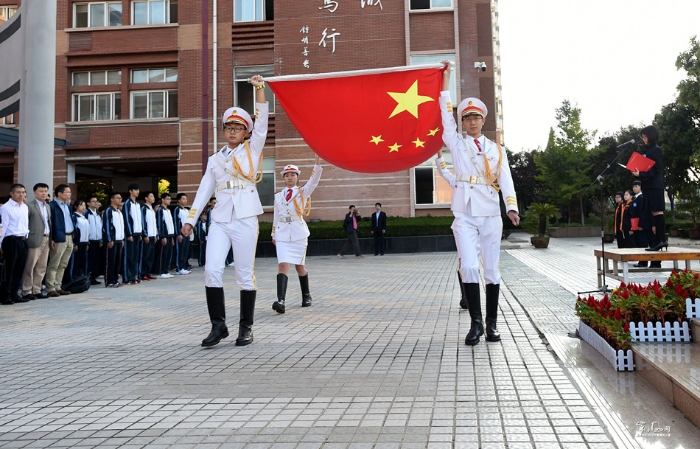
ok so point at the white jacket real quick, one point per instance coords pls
(233, 203)
(286, 229)
(477, 199)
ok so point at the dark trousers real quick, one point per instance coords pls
(113, 262)
(352, 242)
(79, 261)
(93, 259)
(132, 257)
(14, 251)
(148, 252)
(163, 255)
(379, 243)
(229, 257)
(202, 254)
(183, 253)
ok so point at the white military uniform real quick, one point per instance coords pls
(289, 230)
(234, 221)
(475, 200)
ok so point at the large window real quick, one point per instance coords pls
(153, 12)
(253, 10)
(102, 106)
(97, 78)
(430, 187)
(166, 75)
(266, 187)
(154, 104)
(97, 14)
(430, 4)
(244, 92)
(437, 59)
(6, 12)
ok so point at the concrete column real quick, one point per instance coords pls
(38, 97)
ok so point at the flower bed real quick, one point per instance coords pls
(620, 360)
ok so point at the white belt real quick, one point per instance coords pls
(473, 179)
(289, 219)
(235, 183)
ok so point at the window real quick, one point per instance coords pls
(167, 75)
(266, 187)
(437, 59)
(430, 187)
(9, 120)
(153, 12)
(154, 104)
(102, 106)
(97, 78)
(6, 12)
(430, 4)
(97, 14)
(252, 10)
(244, 92)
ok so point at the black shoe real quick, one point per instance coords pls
(492, 294)
(42, 295)
(95, 282)
(305, 293)
(6, 302)
(29, 297)
(278, 306)
(19, 299)
(640, 265)
(245, 324)
(477, 327)
(217, 315)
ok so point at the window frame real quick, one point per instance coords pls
(167, 11)
(432, 8)
(148, 92)
(115, 114)
(90, 75)
(148, 75)
(240, 78)
(89, 14)
(439, 184)
(12, 120)
(10, 10)
(258, 10)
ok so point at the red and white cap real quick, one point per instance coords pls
(290, 169)
(472, 106)
(236, 115)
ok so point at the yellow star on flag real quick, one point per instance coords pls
(409, 100)
(419, 143)
(395, 147)
(432, 132)
(376, 139)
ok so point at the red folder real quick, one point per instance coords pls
(639, 162)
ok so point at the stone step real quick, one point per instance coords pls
(673, 369)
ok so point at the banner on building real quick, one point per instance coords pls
(367, 121)
(12, 62)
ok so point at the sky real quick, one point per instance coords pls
(614, 58)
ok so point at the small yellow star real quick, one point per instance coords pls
(376, 139)
(408, 101)
(395, 147)
(432, 132)
(419, 143)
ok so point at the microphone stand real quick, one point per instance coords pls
(604, 289)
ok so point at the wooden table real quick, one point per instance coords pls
(622, 256)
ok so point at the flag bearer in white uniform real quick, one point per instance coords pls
(480, 171)
(232, 173)
(290, 232)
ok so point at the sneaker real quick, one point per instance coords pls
(183, 272)
(340, 256)
(165, 276)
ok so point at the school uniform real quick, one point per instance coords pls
(113, 231)
(133, 221)
(290, 232)
(201, 231)
(182, 249)
(79, 261)
(166, 231)
(150, 231)
(95, 248)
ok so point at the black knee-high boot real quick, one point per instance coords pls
(305, 293)
(477, 326)
(659, 235)
(462, 302)
(278, 306)
(245, 324)
(217, 315)
(492, 292)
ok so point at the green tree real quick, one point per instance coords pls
(524, 172)
(689, 89)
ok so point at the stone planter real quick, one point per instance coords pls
(539, 241)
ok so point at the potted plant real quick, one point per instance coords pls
(536, 218)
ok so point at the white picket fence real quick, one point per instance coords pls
(653, 332)
(620, 360)
(692, 308)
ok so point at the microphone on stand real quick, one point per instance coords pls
(623, 145)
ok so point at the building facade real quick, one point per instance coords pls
(131, 105)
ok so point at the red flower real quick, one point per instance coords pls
(627, 327)
(618, 314)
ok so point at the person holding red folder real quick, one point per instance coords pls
(653, 187)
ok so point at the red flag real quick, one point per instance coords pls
(368, 121)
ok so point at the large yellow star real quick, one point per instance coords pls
(409, 100)
(376, 139)
(419, 143)
(432, 132)
(395, 147)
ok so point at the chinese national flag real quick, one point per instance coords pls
(368, 121)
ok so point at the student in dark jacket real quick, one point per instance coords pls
(133, 225)
(166, 234)
(641, 220)
(81, 243)
(379, 229)
(201, 230)
(617, 222)
(182, 246)
(113, 238)
(150, 236)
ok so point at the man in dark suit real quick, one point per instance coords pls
(379, 229)
(38, 241)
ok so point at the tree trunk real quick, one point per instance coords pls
(583, 216)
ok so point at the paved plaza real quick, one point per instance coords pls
(378, 361)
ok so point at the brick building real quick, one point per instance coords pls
(129, 86)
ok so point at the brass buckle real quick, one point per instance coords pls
(472, 179)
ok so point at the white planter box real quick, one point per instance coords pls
(620, 360)
(692, 308)
(655, 332)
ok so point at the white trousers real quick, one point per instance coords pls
(478, 236)
(242, 236)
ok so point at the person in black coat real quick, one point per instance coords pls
(641, 220)
(350, 224)
(379, 229)
(653, 187)
(617, 222)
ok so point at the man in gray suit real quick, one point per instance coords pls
(39, 241)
